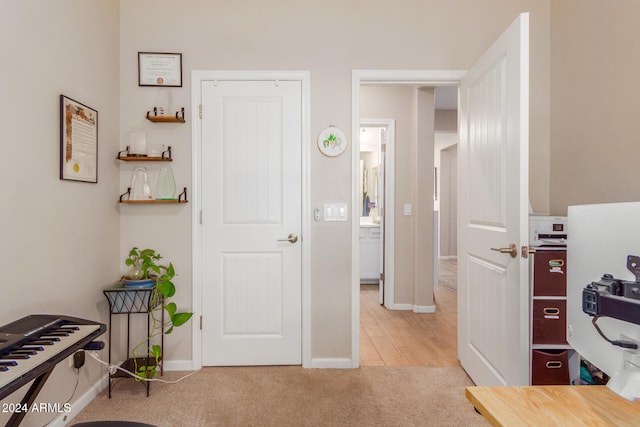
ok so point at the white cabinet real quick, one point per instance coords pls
(369, 253)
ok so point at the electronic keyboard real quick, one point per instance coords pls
(32, 346)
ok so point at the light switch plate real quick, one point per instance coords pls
(335, 211)
(407, 209)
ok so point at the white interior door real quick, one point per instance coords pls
(251, 222)
(493, 212)
(382, 207)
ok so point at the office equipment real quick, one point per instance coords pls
(32, 346)
(602, 239)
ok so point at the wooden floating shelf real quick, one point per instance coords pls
(151, 202)
(165, 119)
(182, 198)
(178, 118)
(144, 159)
(125, 156)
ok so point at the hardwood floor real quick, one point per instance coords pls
(405, 338)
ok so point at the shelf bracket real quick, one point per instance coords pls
(182, 197)
(125, 151)
(167, 152)
(127, 194)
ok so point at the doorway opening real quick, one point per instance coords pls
(377, 171)
(399, 312)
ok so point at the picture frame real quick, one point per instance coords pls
(159, 69)
(332, 141)
(78, 141)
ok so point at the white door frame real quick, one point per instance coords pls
(394, 77)
(197, 77)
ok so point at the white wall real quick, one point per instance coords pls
(329, 39)
(72, 47)
(59, 239)
(595, 103)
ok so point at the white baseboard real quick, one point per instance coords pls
(449, 257)
(178, 365)
(78, 405)
(424, 309)
(407, 307)
(331, 363)
(414, 308)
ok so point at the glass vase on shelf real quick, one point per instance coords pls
(166, 187)
(140, 189)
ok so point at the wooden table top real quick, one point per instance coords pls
(547, 406)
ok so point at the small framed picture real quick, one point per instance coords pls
(78, 141)
(159, 69)
(332, 141)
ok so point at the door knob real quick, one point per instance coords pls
(511, 250)
(291, 238)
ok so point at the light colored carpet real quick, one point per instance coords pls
(293, 396)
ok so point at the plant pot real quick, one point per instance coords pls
(139, 284)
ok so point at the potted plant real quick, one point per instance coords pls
(144, 265)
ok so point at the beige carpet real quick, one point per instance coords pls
(293, 396)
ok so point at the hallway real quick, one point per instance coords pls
(405, 338)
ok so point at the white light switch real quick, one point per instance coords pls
(335, 211)
(407, 209)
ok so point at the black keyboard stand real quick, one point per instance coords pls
(29, 398)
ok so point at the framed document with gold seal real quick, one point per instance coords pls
(159, 69)
(78, 141)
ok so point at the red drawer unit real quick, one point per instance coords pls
(550, 273)
(550, 367)
(549, 321)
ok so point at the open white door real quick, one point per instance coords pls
(493, 212)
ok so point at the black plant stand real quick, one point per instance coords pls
(130, 301)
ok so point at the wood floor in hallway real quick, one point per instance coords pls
(405, 338)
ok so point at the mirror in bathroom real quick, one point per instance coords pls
(370, 138)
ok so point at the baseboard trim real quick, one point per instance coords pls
(178, 365)
(424, 309)
(331, 363)
(449, 257)
(407, 307)
(79, 404)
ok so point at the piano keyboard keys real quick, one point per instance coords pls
(42, 342)
(39, 350)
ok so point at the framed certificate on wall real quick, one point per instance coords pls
(159, 69)
(78, 141)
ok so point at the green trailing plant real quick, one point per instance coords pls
(145, 265)
(142, 264)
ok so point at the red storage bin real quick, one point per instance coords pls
(549, 321)
(550, 367)
(550, 273)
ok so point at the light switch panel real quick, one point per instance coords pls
(407, 209)
(335, 211)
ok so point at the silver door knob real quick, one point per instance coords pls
(291, 238)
